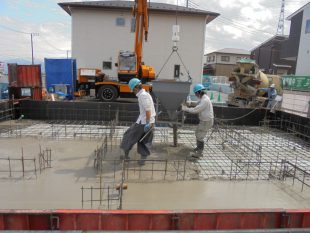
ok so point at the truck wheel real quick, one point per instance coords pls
(107, 93)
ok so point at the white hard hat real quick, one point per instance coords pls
(272, 85)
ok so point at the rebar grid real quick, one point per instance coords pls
(250, 151)
(24, 166)
(231, 153)
(61, 129)
(106, 196)
(6, 110)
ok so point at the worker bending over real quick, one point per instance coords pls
(144, 124)
(272, 94)
(206, 117)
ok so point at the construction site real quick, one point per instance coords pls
(64, 161)
(63, 155)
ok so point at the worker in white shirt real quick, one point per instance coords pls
(204, 109)
(141, 132)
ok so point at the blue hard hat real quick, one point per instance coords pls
(198, 87)
(133, 83)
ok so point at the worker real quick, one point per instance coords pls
(271, 94)
(141, 132)
(204, 109)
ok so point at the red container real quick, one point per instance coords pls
(24, 75)
(37, 93)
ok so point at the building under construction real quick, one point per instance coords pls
(66, 155)
(60, 163)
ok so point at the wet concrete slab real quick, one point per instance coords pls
(56, 187)
(72, 168)
(212, 195)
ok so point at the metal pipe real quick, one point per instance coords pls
(175, 135)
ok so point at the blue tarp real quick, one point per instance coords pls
(60, 71)
(4, 90)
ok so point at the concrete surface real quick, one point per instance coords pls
(72, 168)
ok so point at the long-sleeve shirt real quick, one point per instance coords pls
(204, 109)
(272, 92)
(145, 104)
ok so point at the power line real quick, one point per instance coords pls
(31, 38)
(239, 26)
(45, 40)
(14, 30)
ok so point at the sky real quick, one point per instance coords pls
(242, 24)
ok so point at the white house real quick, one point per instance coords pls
(303, 67)
(222, 62)
(100, 29)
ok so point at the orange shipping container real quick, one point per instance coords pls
(24, 75)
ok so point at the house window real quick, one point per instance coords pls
(213, 58)
(308, 26)
(225, 58)
(209, 59)
(107, 65)
(238, 59)
(120, 21)
(133, 25)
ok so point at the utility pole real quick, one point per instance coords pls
(68, 54)
(186, 3)
(280, 30)
(31, 36)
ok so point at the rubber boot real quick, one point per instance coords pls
(197, 146)
(198, 150)
(141, 162)
(125, 156)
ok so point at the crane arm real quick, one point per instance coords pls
(142, 24)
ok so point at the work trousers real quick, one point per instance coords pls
(133, 135)
(270, 103)
(202, 129)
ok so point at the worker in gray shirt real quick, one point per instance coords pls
(141, 132)
(204, 109)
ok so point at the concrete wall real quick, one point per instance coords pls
(303, 67)
(96, 38)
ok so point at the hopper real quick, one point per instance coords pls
(171, 94)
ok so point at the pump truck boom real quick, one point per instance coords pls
(129, 64)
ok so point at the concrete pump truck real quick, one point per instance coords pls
(129, 64)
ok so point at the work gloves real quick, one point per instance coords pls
(147, 127)
(184, 107)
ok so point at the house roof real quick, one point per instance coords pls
(128, 5)
(298, 11)
(274, 38)
(233, 51)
